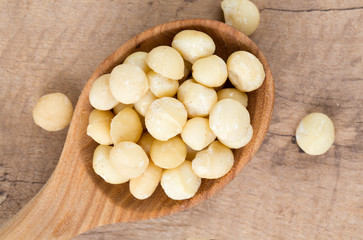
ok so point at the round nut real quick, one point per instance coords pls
(210, 71)
(181, 182)
(193, 45)
(128, 159)
(99, 126)
(100, 95)
(213, 162)
(138, 59)
(245, 71)
(53, 112)
(162, 86)
(315, 134)
(128, 83)
(165, 118)
(166, 61)
(241, 142)
(234, 94)
(197, 133)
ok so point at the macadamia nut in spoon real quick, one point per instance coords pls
(100, 95)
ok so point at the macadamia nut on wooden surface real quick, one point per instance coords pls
(315, 134)
(138, 59)
(142, 105)
(241, 142)
(210, 71)
(53, 112)
(100, 95)
(197, 133)
(99, 125)
(162, 86)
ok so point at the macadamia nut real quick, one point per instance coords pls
(241, 14)
(138, 59)
(197, 133)
(168, 154)
(166, 61)
(229, 120)
(100, 95)
(102, 165)
(210, 71)
(193, 45)
(213, 162)
(99, 125)
(53, 112)
(197, 99)
(128, 159)
(165, 118)
(234, 94)
(181, 182)
(144, 185)
(128, 83)
(315, 134)
(142, 105)
(245, 71)
(126, 126)
(241, 142)
(162, 86)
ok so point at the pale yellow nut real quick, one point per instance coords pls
(119, 107)
(234, 94)
(166, 61)
(193, 45)
(241, 14)
(162, 86)
(99, 125)
(100, 95)
(210, 71)
(315, 134)
(145, 142)
(181, 182)
(168, 154)
(165, 118)
(197, 99)
(102, 165)
(144, 185)
(138, 59)
(197, 133)
(128, 83)
(53, 112)
(126, 126)
(241, 142)
(128, 159)
(142, 105)
(229, 120)
(213, 162)
(245, 71)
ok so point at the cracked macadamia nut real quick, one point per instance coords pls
(165, 118)
(245, 71)
(162, 86)
(99, 125)
(241, 142)
(197, 133)
(128, 159)
(229, 120)
(168, 154)
(193, 45)
(102, 165)
(126, 126)
(197, 99)
(210, 71)
(128, 83)
(213, 162)
(144, 185)
(315, 134)
(166, 61)
(142, 105)
(241, 14)
(100, 95)
(234, 94)
(138, 59)
(53, 112)
(181, 182)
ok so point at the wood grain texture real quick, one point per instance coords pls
(315, 51)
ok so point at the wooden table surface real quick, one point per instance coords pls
(315, 50)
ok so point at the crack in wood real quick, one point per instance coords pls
(312, 10)
(21, 181)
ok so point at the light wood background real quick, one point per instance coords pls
(315, 50)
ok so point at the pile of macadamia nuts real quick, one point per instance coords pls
(155, 123)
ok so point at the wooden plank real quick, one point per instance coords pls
(315, 51)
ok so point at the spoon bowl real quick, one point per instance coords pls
(75, 199)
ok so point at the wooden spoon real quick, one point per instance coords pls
(75, 199)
